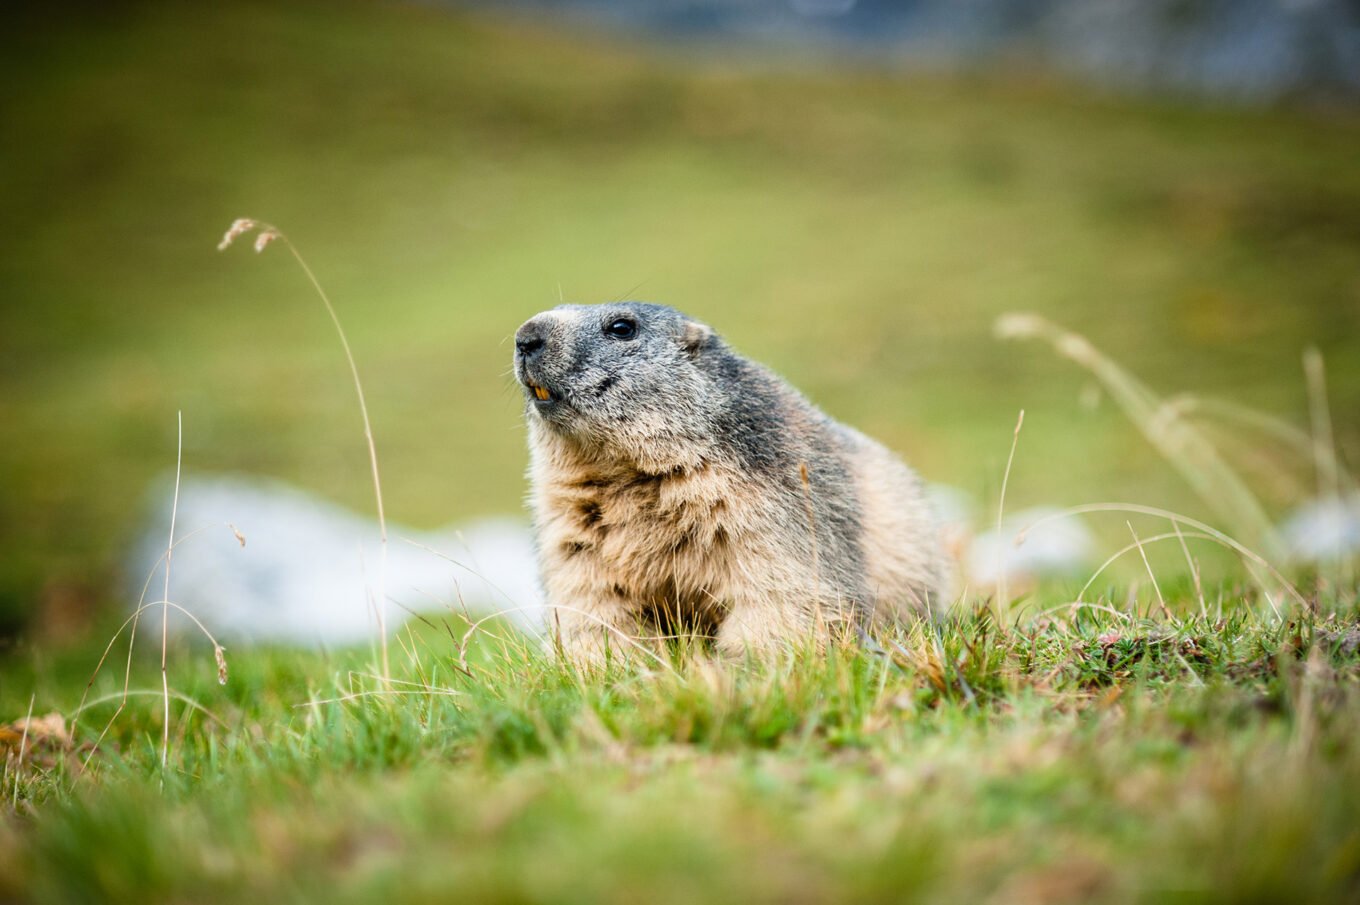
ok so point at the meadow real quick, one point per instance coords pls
(1192, 732)
(1096, 758)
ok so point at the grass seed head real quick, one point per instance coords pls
(264, 238)
(239, 227)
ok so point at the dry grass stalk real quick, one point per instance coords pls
(1324, 451)
(131, 624)
(1001, 589)
(1248, 555)
(267, 234)
(134, 620)
(165, 599)
(219, 655)
(1324, 456)
(1194, 571)
(1179, 441)
(1299, 441)
(1161, 601)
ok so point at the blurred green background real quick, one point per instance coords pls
(448, 174)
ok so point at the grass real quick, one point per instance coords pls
(1085, 756)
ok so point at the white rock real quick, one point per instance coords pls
(308, 570)
(1323, 530)
(1058, 547)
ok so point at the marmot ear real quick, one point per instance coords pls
(695, 337)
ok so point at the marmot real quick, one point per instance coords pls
(675, 482)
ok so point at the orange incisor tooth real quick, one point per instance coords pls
(541, 393)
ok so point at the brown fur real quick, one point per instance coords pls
(808, 531)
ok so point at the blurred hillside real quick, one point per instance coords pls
(447, 175)
(1244, 51)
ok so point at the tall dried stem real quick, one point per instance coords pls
(267, 234)
(1182, 444)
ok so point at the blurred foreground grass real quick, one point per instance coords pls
(1090, 756)
(448, 176)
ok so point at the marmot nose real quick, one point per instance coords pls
(530, 340)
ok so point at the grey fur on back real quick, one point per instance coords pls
(670, 475)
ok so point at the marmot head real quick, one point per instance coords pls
(622, 380)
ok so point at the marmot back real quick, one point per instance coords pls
(675, 482)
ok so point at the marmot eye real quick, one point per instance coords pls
(623, 328)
